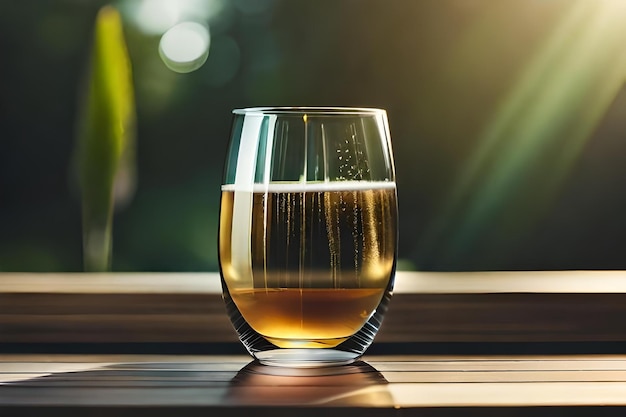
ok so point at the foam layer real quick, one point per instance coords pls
(291, 187)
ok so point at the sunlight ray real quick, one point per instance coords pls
(539, 129)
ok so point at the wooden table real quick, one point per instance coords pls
(426, 308)
(160, 385)
(493, 343)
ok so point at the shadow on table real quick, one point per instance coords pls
(357, 384)
(218, 383)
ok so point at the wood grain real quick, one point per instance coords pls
(565, 306)
(121, 385)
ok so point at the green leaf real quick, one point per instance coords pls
(105, 136)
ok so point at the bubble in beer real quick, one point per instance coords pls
(311, 245)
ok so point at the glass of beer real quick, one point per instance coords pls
(308, 232)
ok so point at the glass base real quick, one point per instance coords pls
(306, 358)
(310, 353)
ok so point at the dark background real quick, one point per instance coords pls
(508, 122)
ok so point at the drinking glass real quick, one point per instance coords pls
(308, 232)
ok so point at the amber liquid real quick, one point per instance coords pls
(308, 268)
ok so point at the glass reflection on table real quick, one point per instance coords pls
(357, 384)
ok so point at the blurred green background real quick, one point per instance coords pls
(508, 121)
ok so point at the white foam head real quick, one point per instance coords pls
(321, 186)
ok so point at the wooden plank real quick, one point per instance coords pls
(110, 283)
(505, 317)
(543, 307)
(87, 383)
(510, 394)
(486, 282)
(489, 282)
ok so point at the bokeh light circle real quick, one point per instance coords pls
(185, 47)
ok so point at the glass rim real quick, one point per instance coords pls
(310, 110)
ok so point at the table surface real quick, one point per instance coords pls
(107, 311)
(427, 307)
(378, 384)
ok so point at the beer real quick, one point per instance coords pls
(307, 264)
